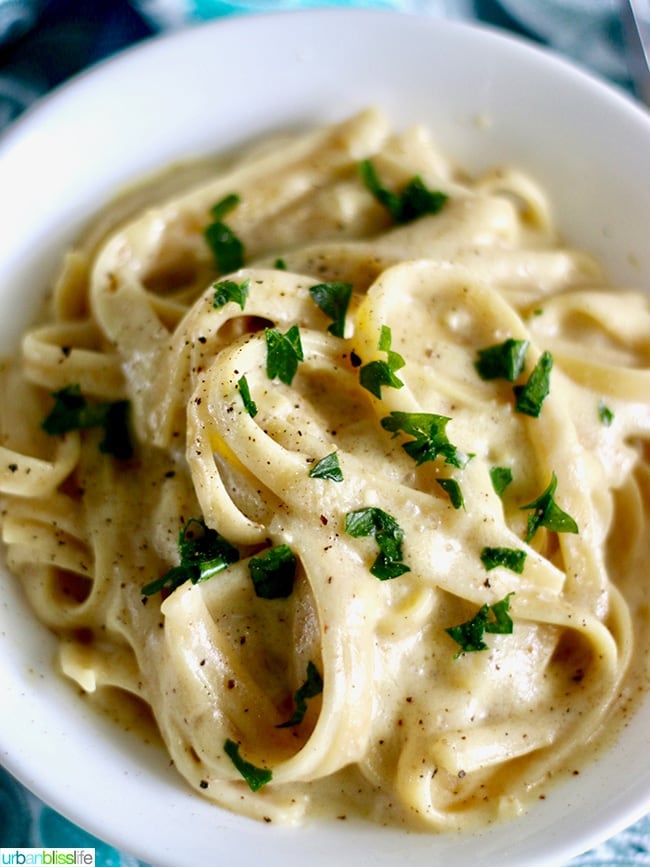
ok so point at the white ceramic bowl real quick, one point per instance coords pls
(490, 100)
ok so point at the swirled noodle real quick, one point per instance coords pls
(408, 725)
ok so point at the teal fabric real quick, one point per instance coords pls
(206, 9)
(44, 42)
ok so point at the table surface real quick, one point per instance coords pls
(86, 31)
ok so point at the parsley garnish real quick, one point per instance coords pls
(280, 265)
(501, 477)
(430, 437)
(510, 558)
(273, 572)
(547, 513)
(254, 776)
(244, 390)
(605, 414)
(224, 206)
(377, 373)
(453, 491)
(312, 686)
(327, 468)
(226, 247)
(203, 553)
(489, 618)
(230, 290)
(414, 200)
(333, 299)
(531, 396)
(283, 352)
(503, 360)
(372, 521)
(71, 412)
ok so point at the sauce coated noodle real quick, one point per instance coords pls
(399, 673)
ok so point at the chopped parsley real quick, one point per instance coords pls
(605, 414)
(280, 265)
(226, 247)
(493, 619)
(372, 521)
(503, 360)
(530, 396)
(230, 290)
(430, 437)
(244, 390)
(506, 361)
(510, 558)
(203, 553)
(273, 572)
(327, 468)
(283, 352)
(255, 777)
(312, 686)
(375, 374)
(547, 513)
(71, 411)
(453, 491)
(413, 201)
(501, 477)
(333, 299)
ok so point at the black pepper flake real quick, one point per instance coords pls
(203, 784)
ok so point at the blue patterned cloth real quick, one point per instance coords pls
(45, 42)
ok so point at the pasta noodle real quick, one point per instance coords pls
(376, 543)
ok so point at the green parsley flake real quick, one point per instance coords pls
(530, 397)
(372, 521)
(230, 290)
(203, 554)
(503, 360)
(333, 299)
(501, 477)
(547, 513)
(255, 777)
(453, 491)
(375, 374)
(493, 619)
(413, 201)
(244, 390)
(430, 437)
(283, 352)
(605, 414)
(224, 206)
(71, 412)
(273, 572)
(226, 247)
(510, 558)
(327, 468)
(312, 687)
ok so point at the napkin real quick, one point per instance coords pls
(588, 31)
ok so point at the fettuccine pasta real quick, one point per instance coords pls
(337, 460)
